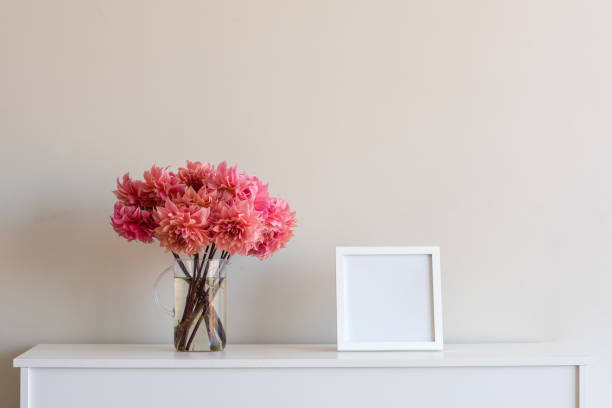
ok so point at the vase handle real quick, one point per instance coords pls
(156, 296)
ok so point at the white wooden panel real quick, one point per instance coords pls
(291, 356)
(582, 379)
(24, 388)
(459, 387)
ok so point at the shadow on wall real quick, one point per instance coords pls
(9, 377)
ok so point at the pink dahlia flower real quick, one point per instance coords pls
(277, 230)
(133, 223)
(261, 198)
(231, 185)
(196, 175)
(236, 227)
(131, 192)
(203, 198)
(182, 229)
(161, 185)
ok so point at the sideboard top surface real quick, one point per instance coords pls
(292, 355)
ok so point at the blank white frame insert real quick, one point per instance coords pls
(388, 298)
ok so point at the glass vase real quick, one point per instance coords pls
(199, 312)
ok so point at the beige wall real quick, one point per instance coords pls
(480, 126)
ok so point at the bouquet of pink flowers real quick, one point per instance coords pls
(200, 211)
(202, 205)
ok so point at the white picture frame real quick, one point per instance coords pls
(388, 298)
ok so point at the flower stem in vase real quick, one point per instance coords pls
(210, 329)
(220, 329)
(192, 306)
(204, 316)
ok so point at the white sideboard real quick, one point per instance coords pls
(300, 376)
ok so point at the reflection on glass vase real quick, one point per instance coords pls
(199, 301)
